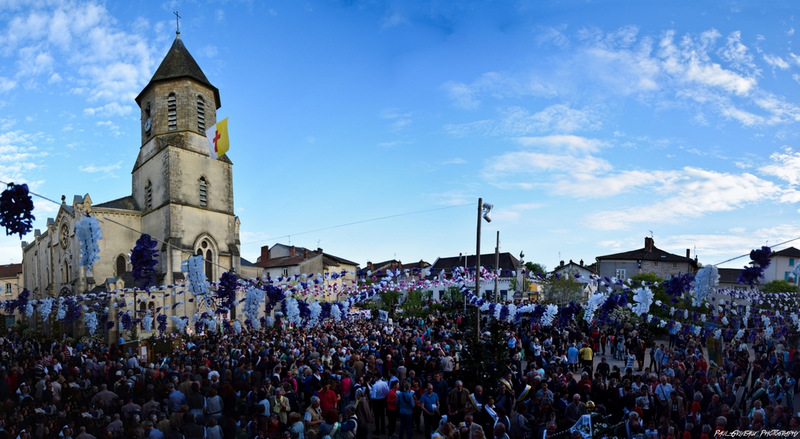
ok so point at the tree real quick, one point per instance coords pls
(779, 286)
(562, 289)
(453, 295)
(535, 268)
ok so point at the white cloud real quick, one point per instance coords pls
(738, 55)
(518, 121)
(76, 46)
(785, 166)
(109, 110)
(461, 94)
(399, 119)
(562, 143)
(393, 20)
(7, 84)
(95, 169)
(455, 161)
(697, 193)
(776, 61)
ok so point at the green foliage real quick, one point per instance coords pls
(453, 294)
(536, 268)
(562, 290)
(779, 286)
(414, 305)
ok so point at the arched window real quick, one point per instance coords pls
(203, 192)
(148, 196)
(172, 112)
(121, 265)
(207, 251)
(201, 114)
(209, 266)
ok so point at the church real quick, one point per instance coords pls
(179, 196)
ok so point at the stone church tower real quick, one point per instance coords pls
(180, 197)
(185, 197)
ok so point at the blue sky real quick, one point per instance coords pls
(588, 124)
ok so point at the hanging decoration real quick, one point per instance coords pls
(162, 323)
(143, 260)
(16, 209)
(46, 307)
(198, 283)
(594, 302)
(705, 282)
(88, 232)
(252, 306)
(180, 323)
(760, 259)
(147, 322)
(90, 318)
(550, 313)
(226, 291)
(643, 299)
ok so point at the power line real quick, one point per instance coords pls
(289, 235)
(747, 255)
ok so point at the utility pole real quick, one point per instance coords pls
(496, 266)
(478, 271)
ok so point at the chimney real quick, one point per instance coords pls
(370, 265)
(264, 253)
(581, 262)
(562, 263)
(319, 250)
(688, 253)
(305, 253)
(648, 244)
(292, 251)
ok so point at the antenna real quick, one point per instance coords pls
(651, 233)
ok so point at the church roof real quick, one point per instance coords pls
(178, 64)
(125, 203)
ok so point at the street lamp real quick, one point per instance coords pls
(484, 211)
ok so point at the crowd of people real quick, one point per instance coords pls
(397, 379)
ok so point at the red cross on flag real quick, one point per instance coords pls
(218, 142)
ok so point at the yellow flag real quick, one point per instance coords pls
(218, 142)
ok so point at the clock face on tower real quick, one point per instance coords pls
(64, 236)
(147, 124)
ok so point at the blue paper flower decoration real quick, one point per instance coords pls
(143, 260)
(16, 207)
(88, 232)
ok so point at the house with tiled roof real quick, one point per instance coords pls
(648, 259)
(782, 265)
(412, 269)
(287, 260)
(506, 265)
(11, 282)
(581, 272)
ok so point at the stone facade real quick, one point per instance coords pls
(179, 197)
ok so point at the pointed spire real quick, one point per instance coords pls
(179, 63)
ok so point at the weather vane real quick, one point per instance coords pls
(177, 23)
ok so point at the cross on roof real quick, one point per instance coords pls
(177, 23)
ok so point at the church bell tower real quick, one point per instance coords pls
(186, 198)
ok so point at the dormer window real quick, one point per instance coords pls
(172, 112)
(201, 114)
(203, 192)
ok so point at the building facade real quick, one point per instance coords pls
(180, 197)
(648, 259)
